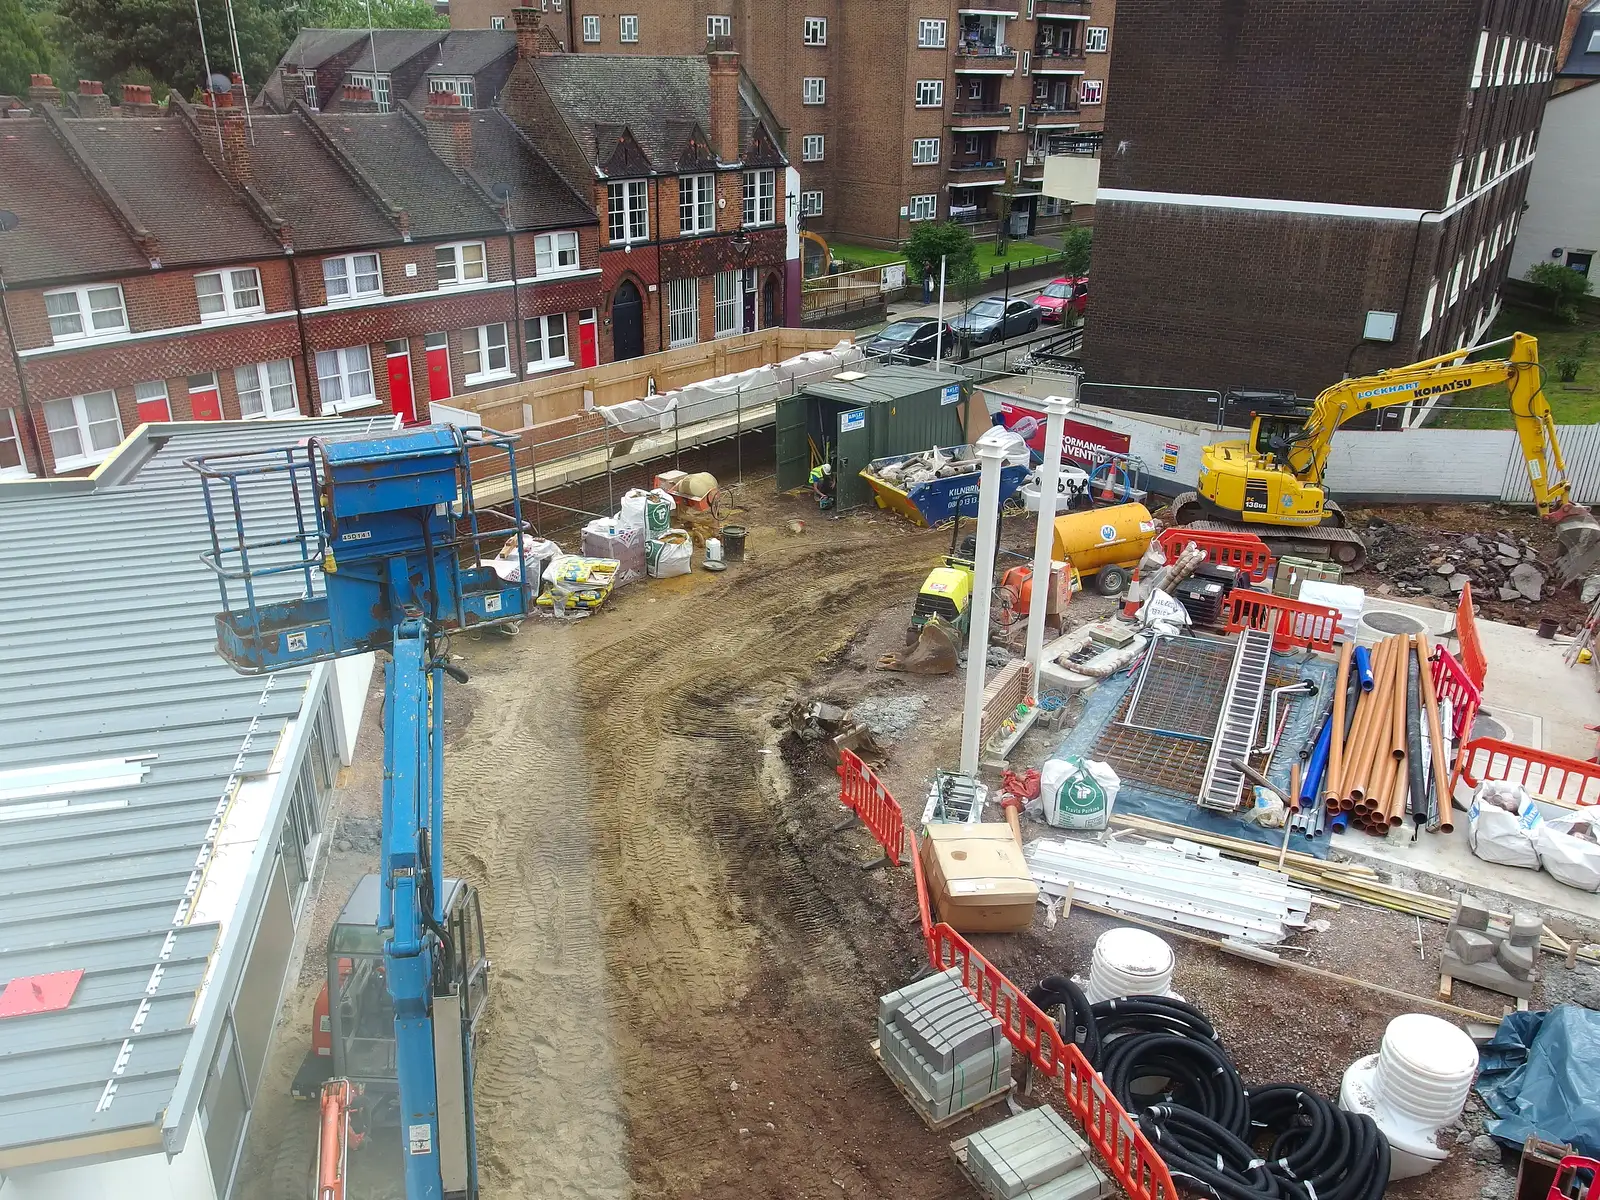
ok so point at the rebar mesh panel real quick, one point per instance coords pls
(1180, 687)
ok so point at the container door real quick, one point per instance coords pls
(588, 345)
(794, 450)
(853, 455)
(401, 398)
(438, 350)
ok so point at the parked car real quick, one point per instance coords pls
(1062, 296)
(914, 340)
(995, 320)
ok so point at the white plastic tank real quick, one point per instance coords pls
(1129, 962)
(1415, 1085)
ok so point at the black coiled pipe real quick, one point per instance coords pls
(1077, 1023)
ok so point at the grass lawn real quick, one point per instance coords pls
(864, 256)
(1575, 403)
(872, 256)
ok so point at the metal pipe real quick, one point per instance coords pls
(1416, 767)
(1441, 773)
(1055, 408)
(1336, 744)
(1305, 687)
(1363, 663)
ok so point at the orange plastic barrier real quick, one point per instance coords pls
(1243, 550)
(1546, 776)
(924, 907)
(1451, 682)
(1467, 634)
(863, 793)
(1299, 623)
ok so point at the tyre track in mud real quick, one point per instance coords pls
(609, 800)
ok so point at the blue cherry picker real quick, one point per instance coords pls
(374, 544)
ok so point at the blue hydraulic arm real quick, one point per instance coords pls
(391, 558)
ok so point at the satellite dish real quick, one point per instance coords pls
(221, 82)
(500, 191)
(8, 220)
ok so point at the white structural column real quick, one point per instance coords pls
(1055, 409)
(992, 448)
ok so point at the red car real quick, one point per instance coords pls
(1062, 296)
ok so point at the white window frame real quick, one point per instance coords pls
(8, 420)
(1499, 159)
(377, 84)
(349, 363)
(697, 197)
(1091, 91)
(1454, 193)
(1522, 55)
(84, 428)
(932, 33)
(1096, 39)
(1500, 60)
(550, 249)
(270, 398)
(923, 208)
(719, 25)
(728, 308)
(924, 152)
(814, 31)
(1479, 169)
(683, 312)
(812, 148)
(461, 86)
(352, 275)
(591, 30)
(308, 87)
(1427, 309)
(930, 93)
(628, 28)
(235, 286)
(810, 204)
(83, 311)
(154, 389)
(627, 209)
(497, 22)
(814, 89)
(1478, 62)
(760, 197)
(480, 345)
(540, 335)
(458, 255)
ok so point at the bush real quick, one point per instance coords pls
(1076, 244)
(945, 240)
(1562, 287)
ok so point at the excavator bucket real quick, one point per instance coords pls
(1579, 535)
(935, 653)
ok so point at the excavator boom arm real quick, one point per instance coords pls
(1446, 374)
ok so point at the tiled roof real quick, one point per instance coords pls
(310, 189)
(395, 47)
(393, 153)
(63, 227)
(654, 96)
(207, 221)
(313, 47)
(468, 51)
(1583, 60)
(539, 197)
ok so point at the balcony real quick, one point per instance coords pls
(968, 165)
(985, 60)
(1058, 64)
(1068, 9)
(1051, 54)
(980, 114)
(1052, 114)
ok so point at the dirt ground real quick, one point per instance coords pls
(688, 941)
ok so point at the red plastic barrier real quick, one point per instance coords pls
(1299, 623)
(1243, 550)
(1545, 775)
(924, 907)
(1467, 634)
(1451, 682)
(863, 793)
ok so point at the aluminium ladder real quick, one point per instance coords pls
(1236, 725)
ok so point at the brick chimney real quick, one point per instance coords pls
(527, 20)
(92, 99)
(42, 90)
(136, 101)
(357, 99)
(231, 153)
(449, 129)
(723, 60)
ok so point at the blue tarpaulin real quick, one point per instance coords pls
(1541, 1075)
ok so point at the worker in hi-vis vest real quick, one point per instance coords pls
(821, 480)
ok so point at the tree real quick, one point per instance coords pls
(1075, 244)
(383, 14)
(23, 48)
(112, 38)
(949, 241)
(1562, 287)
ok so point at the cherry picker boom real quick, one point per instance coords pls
(385, 554)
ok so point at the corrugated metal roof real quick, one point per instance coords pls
(107, 650)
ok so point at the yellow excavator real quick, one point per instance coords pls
(1271, 484)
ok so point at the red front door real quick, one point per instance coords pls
(401, 398)
(205, 401)
(438, 347)
(588, 347)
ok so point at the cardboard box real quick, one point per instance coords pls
(977, 878)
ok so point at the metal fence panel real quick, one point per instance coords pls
(1580, 445)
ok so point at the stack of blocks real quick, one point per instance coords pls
(1034, 1155)
(1501, 960)
(945, 1050)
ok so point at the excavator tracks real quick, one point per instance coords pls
(1334, 542)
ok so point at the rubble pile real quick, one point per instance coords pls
(1499, 565)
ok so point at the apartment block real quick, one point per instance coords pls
(893, 113)
(1320, 190)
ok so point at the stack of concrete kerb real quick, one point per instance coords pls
(1034, 1155)
(944, 1049)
